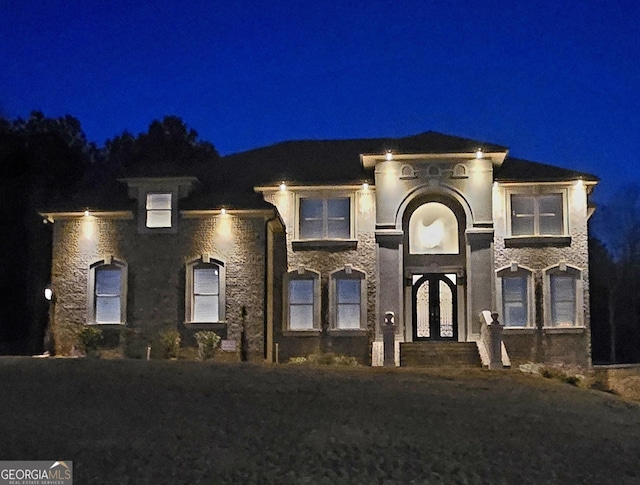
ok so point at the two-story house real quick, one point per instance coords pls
(434, 228)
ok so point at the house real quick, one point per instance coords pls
(436, 229)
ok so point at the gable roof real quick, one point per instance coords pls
(518, 170)
(337, 161)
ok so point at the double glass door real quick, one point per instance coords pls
(434, 307)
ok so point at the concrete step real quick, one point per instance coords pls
(436, 354)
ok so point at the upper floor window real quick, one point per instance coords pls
(348, 299)
(303, 300)
(205, 283)
(433, 229)
(537, 214)
(107, 292)
(158, 209)
(325, 218)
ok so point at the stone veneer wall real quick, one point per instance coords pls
(363, 258)
(156, 272)
(540, 345)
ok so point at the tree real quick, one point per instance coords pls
(619, 224)
(42, 161)
(168, 148)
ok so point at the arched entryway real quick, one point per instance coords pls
(434, 269)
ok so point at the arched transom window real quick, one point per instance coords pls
(433, 229)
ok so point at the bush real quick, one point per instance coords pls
(326, 359)
(170, 343)
(89, 338)
(207, 344)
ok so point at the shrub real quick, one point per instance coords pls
(326, 359)
(170, 343)
(207, 343)
(298, 360)
(89, 338)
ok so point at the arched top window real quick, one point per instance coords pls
(563, 294)
(433, 229)
(515, 296)
(302, 300)
(205, 291)
(107, 292)
(348, 299)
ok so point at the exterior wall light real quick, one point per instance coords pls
(48, 292)
(87, 213)
(223, 211)
(479, 153)
(389, 155)
(365, 186)
(283, 186)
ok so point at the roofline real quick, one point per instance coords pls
(312, 186)
(369, 160)
(195, 213)
(51, 216)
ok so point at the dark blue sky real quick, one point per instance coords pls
(556, 81)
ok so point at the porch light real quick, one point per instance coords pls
(365, 186)
(87, 213)
(283, 186)
(48, 293)
(479, 153)
(388, 156)
(223, 211)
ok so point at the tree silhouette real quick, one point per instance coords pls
(42, 161)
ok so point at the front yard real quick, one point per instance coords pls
(184, 422)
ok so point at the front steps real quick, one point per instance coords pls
(436, 354)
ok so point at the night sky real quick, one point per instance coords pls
(556, 81)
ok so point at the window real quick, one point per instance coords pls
(107, 292)
(303, 300)
(204, 301)
(433, 229)
(325, 218)
(348, 299)
(537, 215)
(158, 207)
(563, 292)
(515, 294)
(563, 300)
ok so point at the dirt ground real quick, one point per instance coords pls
(160, 422)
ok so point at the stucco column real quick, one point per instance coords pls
(480, 277)
(389, 247)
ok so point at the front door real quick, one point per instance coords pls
(434, 307)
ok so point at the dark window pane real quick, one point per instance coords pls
(515, 302)
(301, 291)
(311, 218)
(522, 215)
(338, 218)
(107, 282)
(550, 213)
(348, 290)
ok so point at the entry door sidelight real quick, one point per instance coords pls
(434, 307)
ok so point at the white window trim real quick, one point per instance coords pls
(327, 195)
(148, 210)
(347, 272)
(107, 261)
(189, 294)
(537, 191)
(303, 274)
(564, 270)
(514, 269)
